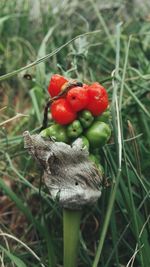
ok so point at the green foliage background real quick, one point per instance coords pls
(116, 231)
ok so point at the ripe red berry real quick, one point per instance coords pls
(98, 96)
(56, 82)
(78, 98)
(62, 112)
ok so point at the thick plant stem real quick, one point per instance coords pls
(71, 226)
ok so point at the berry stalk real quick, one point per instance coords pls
(71, 227)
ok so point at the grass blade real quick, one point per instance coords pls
(18, 262)
(44, 58)
(119, 149)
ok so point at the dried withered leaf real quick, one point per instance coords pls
(68, 173)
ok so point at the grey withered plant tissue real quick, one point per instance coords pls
(68, 172)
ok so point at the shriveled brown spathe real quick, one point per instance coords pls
(68, 173)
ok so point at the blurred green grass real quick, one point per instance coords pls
(119, 224)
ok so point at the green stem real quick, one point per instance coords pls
(71, 225)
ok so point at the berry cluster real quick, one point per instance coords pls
(79, 111)
(87, 97)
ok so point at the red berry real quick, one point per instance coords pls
(56, 82)
(78, 98)
(98, 96)
(61, 112)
